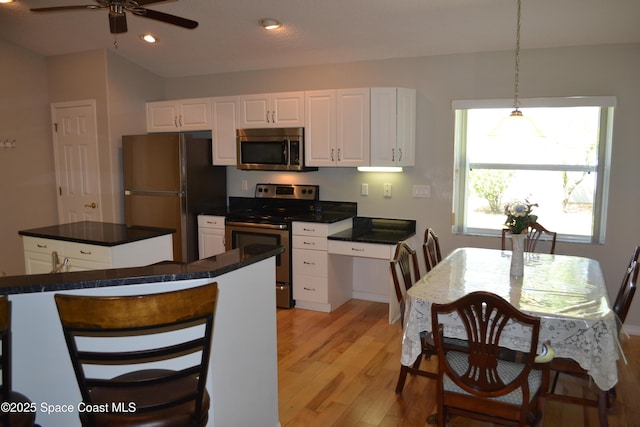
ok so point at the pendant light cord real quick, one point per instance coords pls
(516, 89)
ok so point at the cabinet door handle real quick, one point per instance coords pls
(339, 154)
(91, 205)
(399, 154)
(180, 120)
(273, 116)
(175, 121)
(393, 154)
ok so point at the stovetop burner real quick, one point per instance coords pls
(274, 204)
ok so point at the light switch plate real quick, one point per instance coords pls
(422, 191)
(364, 189)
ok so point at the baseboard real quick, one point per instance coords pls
(632, 329)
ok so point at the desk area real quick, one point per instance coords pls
(568, 293)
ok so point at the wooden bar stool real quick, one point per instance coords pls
(11, 419)
(159, 347)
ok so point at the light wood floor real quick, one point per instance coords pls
(340, 369)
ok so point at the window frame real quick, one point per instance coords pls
(462, 165)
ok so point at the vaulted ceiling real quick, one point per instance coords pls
(229, 37)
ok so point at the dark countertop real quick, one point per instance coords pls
(386, 231)
(161, 272)
(324, 217)
(96, 233)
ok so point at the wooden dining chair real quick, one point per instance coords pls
(567, 366)
(405, 271)
(431, 249)
(475, 382)
(16, 418)
(157, 345)
(534, 232)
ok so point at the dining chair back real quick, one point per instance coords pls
(534, 232)
(405, 271)
(627, 289)
(620, 307)
(8, 395)
(431, 249)
(475, 382)
(148, 353)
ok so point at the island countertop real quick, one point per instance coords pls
(96, 233)
(161, 272)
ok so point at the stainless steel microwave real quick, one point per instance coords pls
(271, 149)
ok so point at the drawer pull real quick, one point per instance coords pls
(309, 229)
(212, 222)
(308, 263)
(41, 246)
(357, 250)
(85, 252)
(309, 243)
(309, 289)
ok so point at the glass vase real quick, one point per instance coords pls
(517, 255)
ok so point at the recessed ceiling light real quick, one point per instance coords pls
(6, 1)
(149, 38)
(270, 23)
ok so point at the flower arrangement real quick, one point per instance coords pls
(519, 216)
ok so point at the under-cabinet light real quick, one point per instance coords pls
(379, 169)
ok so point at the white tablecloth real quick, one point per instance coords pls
(568, 293)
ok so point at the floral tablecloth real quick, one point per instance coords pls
(568, 293)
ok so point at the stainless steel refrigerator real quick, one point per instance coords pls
(168, 180)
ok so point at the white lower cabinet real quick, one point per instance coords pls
(40, 253)
(210, 235)
(314, 283)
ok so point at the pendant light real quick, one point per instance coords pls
(516, 124)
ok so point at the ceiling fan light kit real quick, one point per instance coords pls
(117, 16)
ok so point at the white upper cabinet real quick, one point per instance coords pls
(225, 116)
(393, 126)
(265, 110)
(337, 127)
(179, 115)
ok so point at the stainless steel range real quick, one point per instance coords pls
(266, 220)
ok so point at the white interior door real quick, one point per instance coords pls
(75, 141)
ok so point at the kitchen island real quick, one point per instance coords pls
(243, 387)
(90, 245)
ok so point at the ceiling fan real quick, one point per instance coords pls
(117, 9)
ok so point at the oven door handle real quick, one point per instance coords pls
(258, 225)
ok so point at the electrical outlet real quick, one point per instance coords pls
(387, 190)
(364, 189)
(245, 185)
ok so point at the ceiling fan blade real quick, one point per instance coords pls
(117, 23)
(146, 2)
(65, 8)
(165, 17)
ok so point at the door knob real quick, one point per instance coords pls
(91, 205)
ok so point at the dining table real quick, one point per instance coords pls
(568, 293)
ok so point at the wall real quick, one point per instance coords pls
(27, 175)
(596, 70)
(120, 89)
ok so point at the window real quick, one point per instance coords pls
(564, 169)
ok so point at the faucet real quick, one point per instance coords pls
(56, 266)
